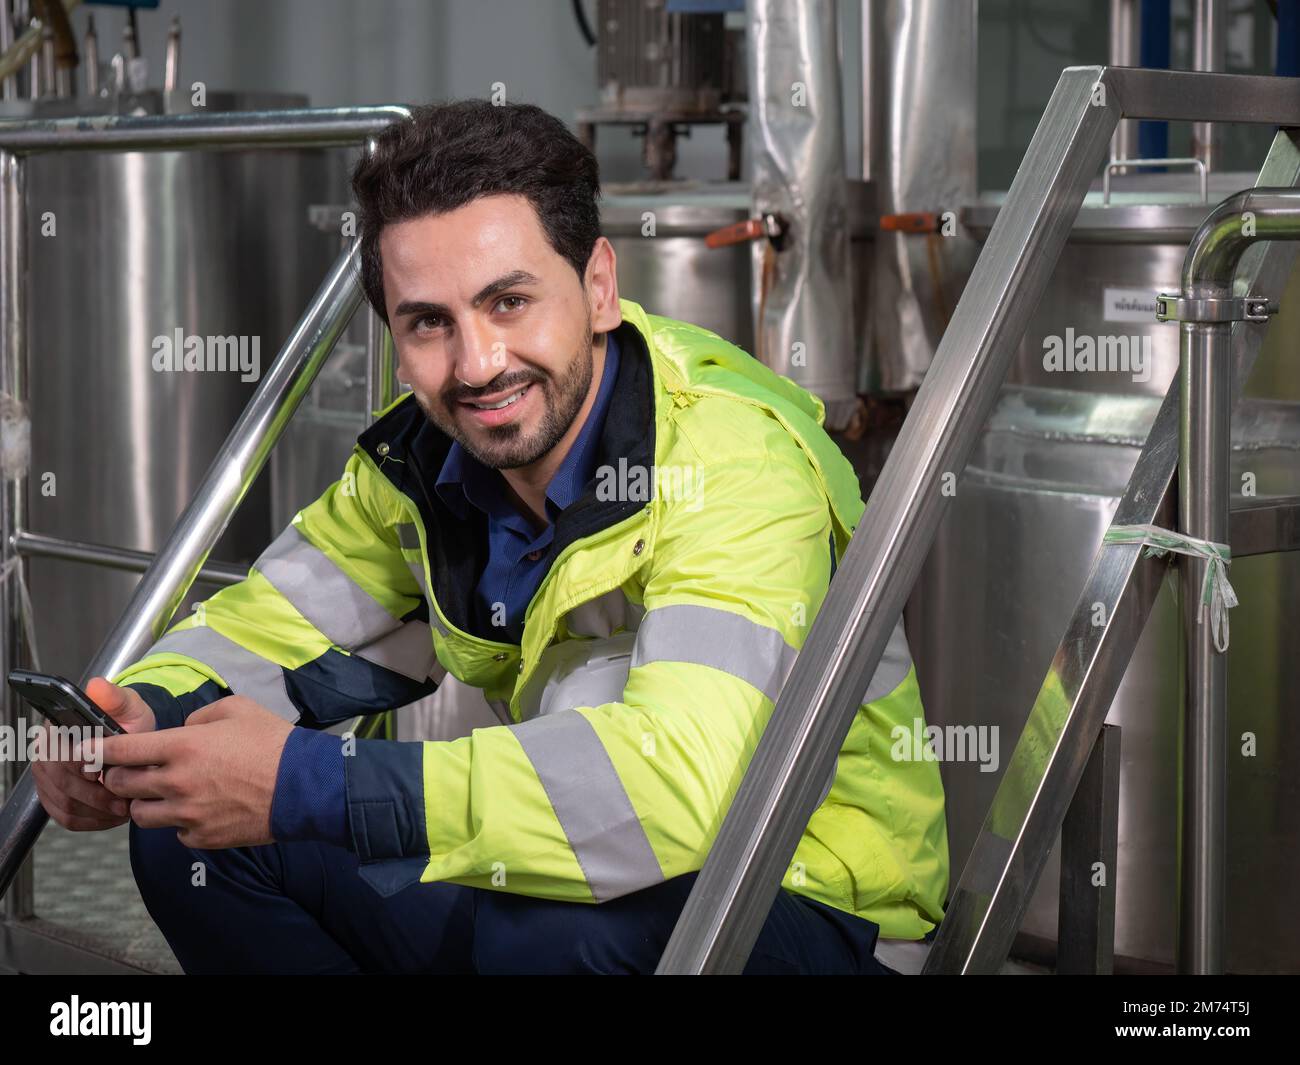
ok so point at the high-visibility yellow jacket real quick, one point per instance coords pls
(679, 589)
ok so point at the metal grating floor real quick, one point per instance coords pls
(86, 895)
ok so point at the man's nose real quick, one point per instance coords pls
(480, 356)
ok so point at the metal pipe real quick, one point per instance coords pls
(870, 98)
(1209, 53)
(90, 48)
(797, 752)
(1125, 44)
(1204, 498)
(47, 62)
(316, 127)
(172, 63)
(41, 545)
(61, 57)
(13, 489)
(8, 84)
(1205, 362)
(381, 380)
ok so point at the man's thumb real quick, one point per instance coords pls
(123, 705)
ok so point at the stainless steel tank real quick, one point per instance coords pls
(1118, 257)
(1010, 559)
(128, 248)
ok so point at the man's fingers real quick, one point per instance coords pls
(153, 813)
(142, 748)
(124, 705)
(77, 816)
(134, 782)
(92, 794)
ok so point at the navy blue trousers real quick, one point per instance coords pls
(302, 908)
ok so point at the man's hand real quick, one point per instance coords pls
(214, 779)
(75, 798)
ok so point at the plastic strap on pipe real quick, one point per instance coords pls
(1217, 594)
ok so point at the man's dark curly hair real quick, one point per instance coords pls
(448, 154)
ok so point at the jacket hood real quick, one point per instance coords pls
(694, 358)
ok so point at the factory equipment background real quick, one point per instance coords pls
(883, 206)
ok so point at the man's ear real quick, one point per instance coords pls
(602, 287)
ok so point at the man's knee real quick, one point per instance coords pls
(519, 934)
(157, 856)
(165, 868)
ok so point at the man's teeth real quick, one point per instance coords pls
(504, 403)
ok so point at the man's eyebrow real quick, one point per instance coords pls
(510, 280)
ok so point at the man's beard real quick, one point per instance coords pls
(506, 447)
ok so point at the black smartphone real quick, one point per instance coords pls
(61, 701)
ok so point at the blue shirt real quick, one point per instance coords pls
(310, 800)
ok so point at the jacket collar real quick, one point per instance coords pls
(409, 450)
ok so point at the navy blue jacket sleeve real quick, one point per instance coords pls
(310, 799)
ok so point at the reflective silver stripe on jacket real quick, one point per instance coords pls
(407, 650)
(706, 636)
(894, 665)
(244, 672)
(755, 653)
(339, 608)
(590, 803)
(409, 537)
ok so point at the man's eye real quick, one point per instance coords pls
(427, 322)
(506, 299)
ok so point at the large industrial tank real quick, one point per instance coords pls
(1019, 539)
(126, 250)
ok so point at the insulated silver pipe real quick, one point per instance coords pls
(1204, 499)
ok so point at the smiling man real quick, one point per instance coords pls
(632, 642)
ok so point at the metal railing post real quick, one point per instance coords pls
(13, 491)
(1206, 309)
(797, 752)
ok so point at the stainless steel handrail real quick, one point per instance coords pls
(734, 891)
(996, 886)
(247, 447)
(1204, 500)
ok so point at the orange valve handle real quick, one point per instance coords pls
(913, 222)
(737, 233)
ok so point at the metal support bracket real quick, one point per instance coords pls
(1171, 307)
